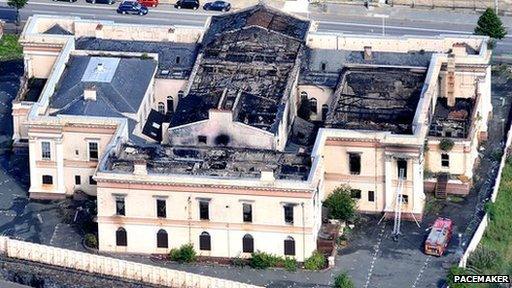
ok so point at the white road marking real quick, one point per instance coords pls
(374, 258)
(421, 272)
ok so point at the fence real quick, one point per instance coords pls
(111, 266)
(479, 233)
(504, 5)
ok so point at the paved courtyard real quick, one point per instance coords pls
(372, 258)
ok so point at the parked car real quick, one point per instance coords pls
(217, 6)
(188, 4)
(148, 3)
(65, 0)
(132, 7)
(109, 2)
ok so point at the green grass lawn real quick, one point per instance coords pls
(10, 48)
(494, 254)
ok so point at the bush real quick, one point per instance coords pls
(262, 260)
(343, 281)
(455, 270)
(315, 262)
(185, 253)
(290, 264)
(483, 258)
(446, 144)
(91, 241)
(340, 204)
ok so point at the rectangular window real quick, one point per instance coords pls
(247, 212)
(93, 151)
(92, 181)
(355, 193)
(404, 198)
(78, 180)
(47, 179)
(371, 196)
(289, 247)
(354, 160)
(120, 209)
(204, 210)
(202, 139)
(288, 214)
(46, 152)
(402, 168)
(445, 160)
(161, 208)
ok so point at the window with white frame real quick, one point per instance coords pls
(46, 151)
(93, 151)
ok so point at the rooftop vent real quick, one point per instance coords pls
(367, 53)
(90, 93)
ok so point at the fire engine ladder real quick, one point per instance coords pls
(398, 205)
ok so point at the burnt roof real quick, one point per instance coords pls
(259, 15)
(221, 162)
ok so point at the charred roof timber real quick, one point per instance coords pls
(207, 161)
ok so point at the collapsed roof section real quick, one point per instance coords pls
(207, 161)
(452, 121)
(248, 66)
(382, 99)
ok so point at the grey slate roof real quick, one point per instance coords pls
(175, 58)
(57, 29)
(123, 94)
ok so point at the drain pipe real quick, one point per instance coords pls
(303, 233)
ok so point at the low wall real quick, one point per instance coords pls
(504, 5)
(479, 233)
(111, 266)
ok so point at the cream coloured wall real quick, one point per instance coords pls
(39, 66)
(168, 87)
(323, 95)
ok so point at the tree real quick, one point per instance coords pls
(340, 204)
(490, 24)
(343, 281)
(17, 5)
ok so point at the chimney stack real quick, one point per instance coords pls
(90, 93)
(140, 167)
(267, 176)
(368, 53)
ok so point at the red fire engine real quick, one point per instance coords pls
(439, 237)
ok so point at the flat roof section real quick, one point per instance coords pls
(381, 99)
(222, 162)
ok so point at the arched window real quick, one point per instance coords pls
(312, 105)
(289, 246)
(205, 243)
(247, 244)
(325, 110)
(180, 94)
(121, 237)
(170, 104)
(162, 240)
(303, 95)
(161, 108)
(323, 66)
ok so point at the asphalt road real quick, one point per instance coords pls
(360, 23)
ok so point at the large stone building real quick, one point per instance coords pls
(230, 136)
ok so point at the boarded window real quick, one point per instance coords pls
(402, 168)
(248, 244)
(161, 208)
(445, 160)
(354, 161)
(289, 246)
(93, 151)
(288, 214)
(204, 210)
(121, 237)
(47, 179)
(205, 242)
(46, 150)
(355, 193)
(120, 209)
(162, 239)
(247, 212)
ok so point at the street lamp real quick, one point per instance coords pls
(383, 17)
